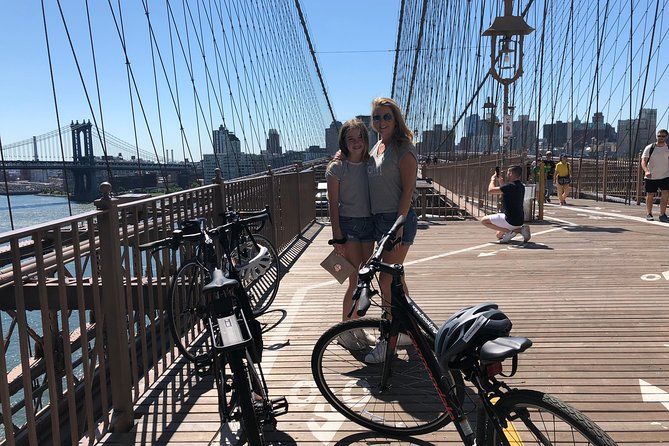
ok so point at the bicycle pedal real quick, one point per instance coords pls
(279, 406)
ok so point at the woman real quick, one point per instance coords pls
(348, 195)
(391, 171)
(563, 179)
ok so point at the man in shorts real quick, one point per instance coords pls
(655, 164)
(510, 223)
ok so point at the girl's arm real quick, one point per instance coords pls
(333, 207)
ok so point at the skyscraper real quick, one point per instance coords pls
(371, 133)
(332, 137)
(273, 144)
(225, 142)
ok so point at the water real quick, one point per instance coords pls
(28, 210)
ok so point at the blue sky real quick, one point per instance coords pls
(26, 103)
(353, 39)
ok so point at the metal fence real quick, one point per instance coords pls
(83, 325)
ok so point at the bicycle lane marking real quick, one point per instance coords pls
(612, 214)
(329, 421)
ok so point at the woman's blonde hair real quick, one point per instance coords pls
(349, 125)
(402, 132)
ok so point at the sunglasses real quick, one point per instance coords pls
(386, 117)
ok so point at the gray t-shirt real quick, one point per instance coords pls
(353, 188)
(385, 181)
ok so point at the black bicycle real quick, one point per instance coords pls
(213, 324)
(403, 375)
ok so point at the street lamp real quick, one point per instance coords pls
(506, 55)
(489, 111)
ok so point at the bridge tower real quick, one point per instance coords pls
(84, 171)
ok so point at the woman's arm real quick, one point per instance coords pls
(333, 204)
(408, 169)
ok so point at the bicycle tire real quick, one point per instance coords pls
(343, 378)
(242, 385)
(185, 307)
(556, 420)
(263, 289)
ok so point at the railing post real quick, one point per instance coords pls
(116, 318)
(272, 200)
(219, 197)
(605, 178)
(639, 179)
(541, 189)
(298, 168)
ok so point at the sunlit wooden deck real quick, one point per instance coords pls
(589, 290)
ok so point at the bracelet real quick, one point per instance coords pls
(337, 241)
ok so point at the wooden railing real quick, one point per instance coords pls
(83, 324)
(465, 183)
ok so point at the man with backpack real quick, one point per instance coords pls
(655, 164)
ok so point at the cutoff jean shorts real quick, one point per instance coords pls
(384, 221)
(357, 229)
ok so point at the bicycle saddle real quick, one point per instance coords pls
(502, 348)
(219, 282)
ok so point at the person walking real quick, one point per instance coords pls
(655, 164)
(348, 195)
(549, 168)
(563, 179)
(509, 223)
(392, 169)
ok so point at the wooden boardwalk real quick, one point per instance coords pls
(589, 290)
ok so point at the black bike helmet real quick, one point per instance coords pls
(469, 328)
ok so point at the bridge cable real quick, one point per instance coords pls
(55, 103)
(83, 84)
(313, 56)
(397, 48)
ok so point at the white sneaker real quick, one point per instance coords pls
(404, 340)
(506, 238)
(365, 338)
(525, 232)
(378, 353)
(350, 342)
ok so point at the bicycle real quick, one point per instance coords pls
(248, 257)
(419, 387)
(231, 333)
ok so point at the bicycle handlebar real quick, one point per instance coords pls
(362, 295)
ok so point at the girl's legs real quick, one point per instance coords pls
(560, 192)
(354, 251)
(566, 194)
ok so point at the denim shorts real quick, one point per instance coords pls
(383, 223)
(357, 229)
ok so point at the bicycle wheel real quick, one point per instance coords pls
(187, 310)
(245, 398)
(410, 406)
(535, 418)
(260, 270)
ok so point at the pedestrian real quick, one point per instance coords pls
(563, 179)
(392, 169)
(655, 164)
(509, 223)
(348, 195)
(549, 168)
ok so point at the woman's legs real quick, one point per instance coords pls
(397, 255)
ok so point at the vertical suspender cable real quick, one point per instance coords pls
(397, 49)
(419, 43)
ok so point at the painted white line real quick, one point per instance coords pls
(611, 214)
(653, 394)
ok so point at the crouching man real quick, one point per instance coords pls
(510, 223)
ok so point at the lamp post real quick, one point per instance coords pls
(506, 55)
(488, 114)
